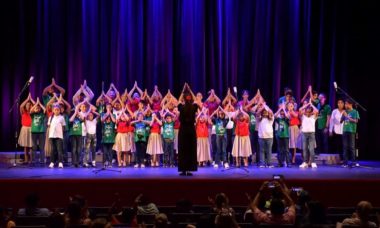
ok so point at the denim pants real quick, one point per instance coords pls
(221, 147)
(283, 151)
(265, 151)
(38, 139)
(76, 147)
(168, 152)
(90, 147)
(57, 150)
(308, 142)
(348, 147)
(107, 152)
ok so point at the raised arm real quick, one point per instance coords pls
(59, 88)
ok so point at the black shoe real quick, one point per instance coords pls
(289, 166)
(189, 174)
(182, 174)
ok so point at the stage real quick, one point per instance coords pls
(331, 184)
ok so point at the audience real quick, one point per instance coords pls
(361, 216)
(144, 206)
(31, 207)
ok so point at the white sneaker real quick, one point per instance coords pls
(142, 166)
(357, 165)
(314, 165)
(51, 165)
(113, 161)
(94, 163)
(85, 165)
(60, 165)
(226, 165)
(304, 165)
(136, 166)
(216, 166)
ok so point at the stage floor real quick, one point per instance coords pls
(368, 170)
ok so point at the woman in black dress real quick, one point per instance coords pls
(187, 140)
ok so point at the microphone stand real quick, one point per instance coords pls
(16, 104)
(357, 104)
(238, 151)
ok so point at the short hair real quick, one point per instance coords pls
(277, 207)
(349, 101)
(364, 208)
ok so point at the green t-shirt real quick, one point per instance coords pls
(140, 132)
(220, 126)
(148, 118)
(349, 126)
(282, 130)
(252, 122)
(101, 109)
(46, 99)
(168, 130)
(67, 121)
(76, 127)
(324, 111)
(38, 122)
(109, 133)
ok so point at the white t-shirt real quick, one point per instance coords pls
(335, 122)
(265, 130)
(91, 126)
(84, 130)
(308, 124)
(56, 124)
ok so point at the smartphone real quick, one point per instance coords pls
(277, 177)
(271, 185)
(297, 189)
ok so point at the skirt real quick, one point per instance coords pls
(245, 147)
(131, 137)
(294, 140)
(48, 147)
(203, 150)
(122, 143)
(176, 140)
(25, 137)
(154, 144)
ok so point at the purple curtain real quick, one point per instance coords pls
(251, 44)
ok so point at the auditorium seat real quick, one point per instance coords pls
(32, 220)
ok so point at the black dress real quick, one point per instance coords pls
(187, 138)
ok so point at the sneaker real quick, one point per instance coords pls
(304, 165)
(356, 165)
(113, 161)
(226, 165)
(94, 163)
(261, 166)
(344, 166)
(60, 165)
(314, 165)
(142, 166)
(136, 166)
(216, 166)
(270, 166)
(51, 165)
(85, 165)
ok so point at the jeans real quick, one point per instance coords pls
(348, 147)
(76, 147)
(90, 146)
(308, 143)
(38, 139)
(265, 151)
(65, 146)
(283, 151)
(230, 138)
(322, 138)
(57, 150)
(107, 152)
(213, 147)
(168, 151)
(140, 152)
(221, 146)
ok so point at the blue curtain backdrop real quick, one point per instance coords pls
(266, 44)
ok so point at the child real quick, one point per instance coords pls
(309, 114)
(25, 137)
(336, 127)
(242, 144)
(323, 122)
(220, 123)
(350, 119)
(75, 134)
(140, 138)
(282, 136)
(37, 113)
(122, 144)
(168, 138)
(108, 135)
(154, 147)
(91, 123)
(294, 122)
(203, 143)
(265, 133)
(56, 125)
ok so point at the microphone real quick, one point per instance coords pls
(30, 80)
(235, 90)
(336, 87)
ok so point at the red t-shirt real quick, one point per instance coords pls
(155, 128)
(134, 104)
(123, 127)
(294, 120)
(177, 124)
(242, 128)
(202, 130)
(156, 106)
(26, 119)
